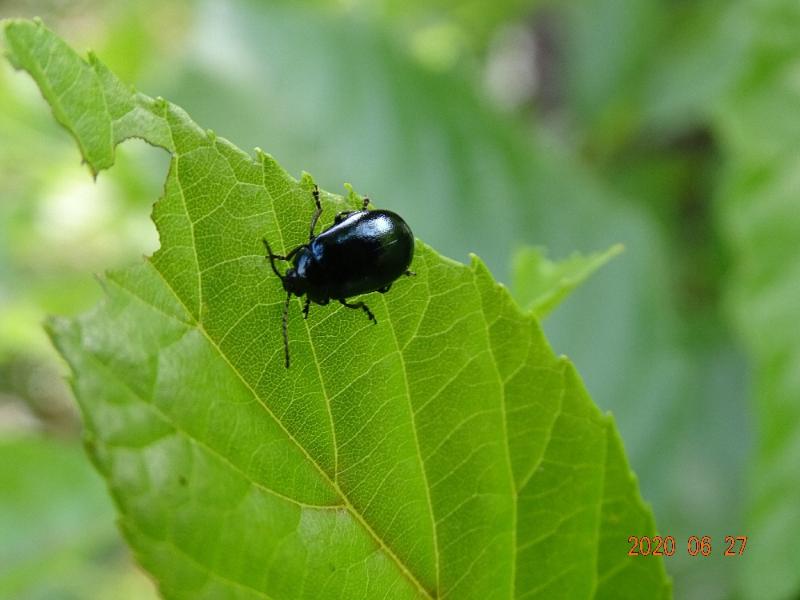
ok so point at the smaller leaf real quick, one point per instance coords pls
(540, 284)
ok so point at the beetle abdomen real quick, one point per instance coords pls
(367, 251)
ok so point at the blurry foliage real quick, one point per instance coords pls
(656, 124)
(59, 538)
(56, 230)
(759, 202)
(539, 284)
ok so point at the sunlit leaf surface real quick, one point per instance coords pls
(445, 452)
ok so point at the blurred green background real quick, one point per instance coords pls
(671, 126)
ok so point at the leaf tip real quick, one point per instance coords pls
(354, 197)
(306, 179)
(268, 162)
(480, 268)
(92, 170)
(612, 252)
(55, 327)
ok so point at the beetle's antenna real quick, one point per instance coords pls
(272, 258)
(286, 328)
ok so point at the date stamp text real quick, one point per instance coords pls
(656, 545)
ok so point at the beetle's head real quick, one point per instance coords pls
(293, 283)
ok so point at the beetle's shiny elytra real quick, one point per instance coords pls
(363, 251)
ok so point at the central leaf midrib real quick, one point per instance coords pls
(334, 484)
(335, 481)
(205, 446)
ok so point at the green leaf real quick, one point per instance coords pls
(540, 284)
(445, 452)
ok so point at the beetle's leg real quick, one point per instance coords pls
(306, 307)
(317, 213)
(385, 288)
(363, 307)
(286, 329)
(410, 273)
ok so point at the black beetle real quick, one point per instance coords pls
(363, 251)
